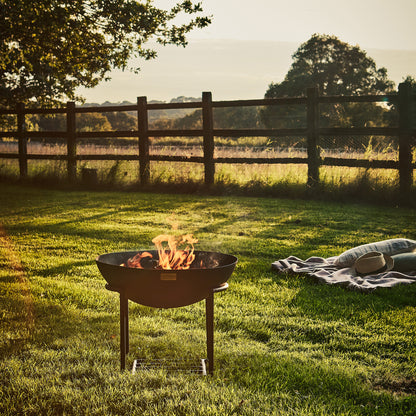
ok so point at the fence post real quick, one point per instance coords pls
(208, 126)
(21, 128)
(405, 137)
(71, 141)
(143, 129)
(312, 95)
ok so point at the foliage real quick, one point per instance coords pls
(84, 122)
(236, 118)
(48, 48)
(121, 121)
(284, 345)
(336, 68)
(393, 114)
(113, 120)
(410, 80)
(92, 122)
(224, 118)
(48, 122)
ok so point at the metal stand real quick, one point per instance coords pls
(124, 329)
(124, 325)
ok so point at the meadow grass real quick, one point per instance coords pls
(288, 180)
(284, 345)
(285, 180)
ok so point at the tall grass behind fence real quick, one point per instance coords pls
(315, 146)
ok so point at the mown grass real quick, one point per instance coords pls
(284, 345)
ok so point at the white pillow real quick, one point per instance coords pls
(390, 247)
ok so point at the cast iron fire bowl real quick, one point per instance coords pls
(166, 288)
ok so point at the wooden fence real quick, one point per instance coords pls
(406, 132)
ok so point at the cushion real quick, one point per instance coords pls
(390, 247)
(405, 262)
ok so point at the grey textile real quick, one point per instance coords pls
(326, 271)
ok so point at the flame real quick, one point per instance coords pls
(170, 257)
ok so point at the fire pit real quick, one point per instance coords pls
(160, 288)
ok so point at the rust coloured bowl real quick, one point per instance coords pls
(166, 288)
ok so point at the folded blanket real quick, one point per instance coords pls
(327, 271)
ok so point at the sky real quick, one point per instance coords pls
(250, 43)
(388, 24)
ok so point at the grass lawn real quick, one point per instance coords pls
(284, 345)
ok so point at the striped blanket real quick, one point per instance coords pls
(329, 272)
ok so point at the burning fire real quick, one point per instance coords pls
(170, 257)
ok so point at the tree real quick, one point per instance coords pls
(393, 114)
(235, 118)
(224, 118)
(336, 68)
(92, 122)
(121, 120)
(48, 48)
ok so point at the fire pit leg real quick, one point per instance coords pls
(209, 311)
(124, 324)
(124, 329)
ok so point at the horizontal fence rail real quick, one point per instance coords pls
(406, 132)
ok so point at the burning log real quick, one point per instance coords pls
(170, 257)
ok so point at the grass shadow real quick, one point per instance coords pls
(321, 301)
